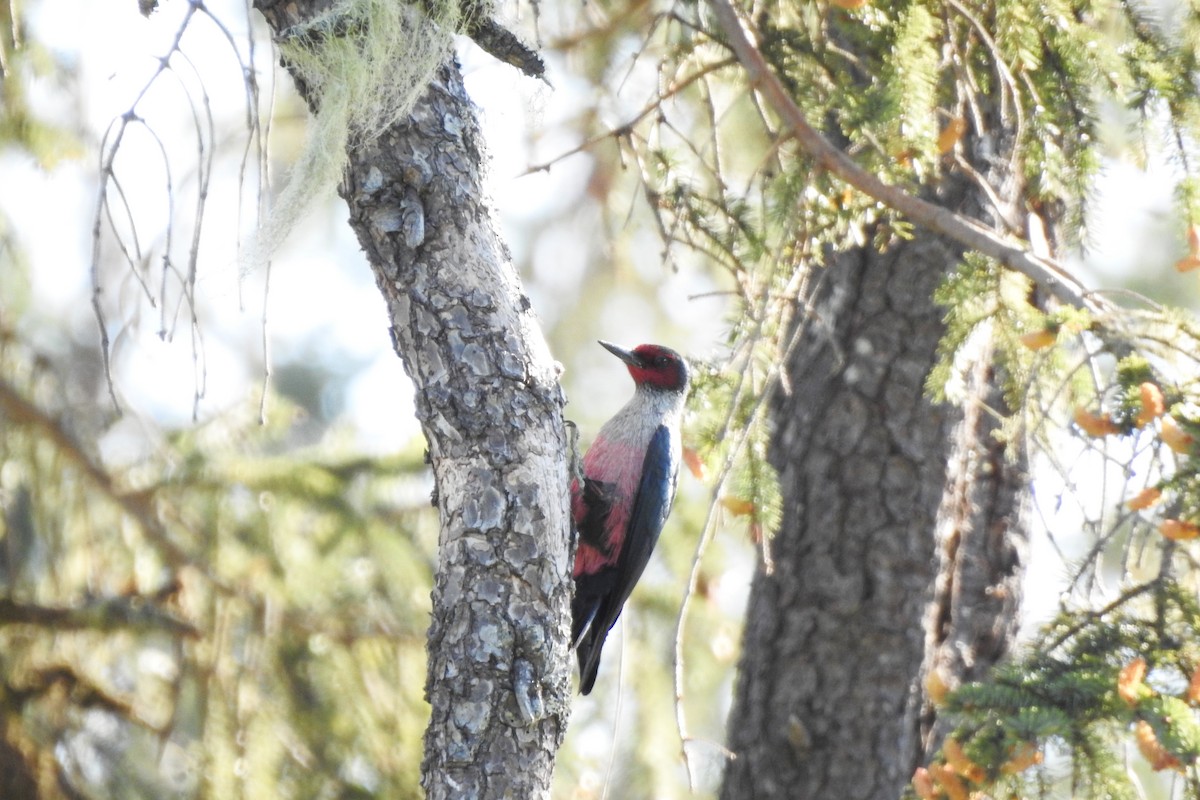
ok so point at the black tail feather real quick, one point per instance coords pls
(588, 651)
(591, 617)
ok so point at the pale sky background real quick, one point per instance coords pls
(323, 300)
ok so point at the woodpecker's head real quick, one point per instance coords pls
(653, 366)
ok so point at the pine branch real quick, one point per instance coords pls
(1046, 273)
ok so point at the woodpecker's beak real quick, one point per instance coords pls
(627, 356)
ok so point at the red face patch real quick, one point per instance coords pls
(660, 367)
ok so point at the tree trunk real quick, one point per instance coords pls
(830, 700)
(488, 400)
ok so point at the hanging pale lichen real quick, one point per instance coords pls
(363, 65)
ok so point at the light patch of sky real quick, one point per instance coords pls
(1078, 495)
(115, 50)
(47, 208)
(525, 122)
(560, 259)
(323, 302)
(1132, 238)
(1132, 226)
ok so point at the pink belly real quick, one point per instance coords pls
(619, 465)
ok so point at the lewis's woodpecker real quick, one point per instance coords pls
(628, 486)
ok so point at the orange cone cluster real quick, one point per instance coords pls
(1132, 688)
(953, 777)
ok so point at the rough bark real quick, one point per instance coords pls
(827, 696)
(898, 565)
(489, 402)
(886, 495)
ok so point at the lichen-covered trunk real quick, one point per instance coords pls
(488, 400)
(887, 495)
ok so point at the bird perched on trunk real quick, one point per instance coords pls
(628, 486)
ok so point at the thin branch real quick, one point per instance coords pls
(118, 613)
(110, 146)
(774, 381)
(625, 129)
(1099, 613)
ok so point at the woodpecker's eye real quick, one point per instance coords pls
(662, 361)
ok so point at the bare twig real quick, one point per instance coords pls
(624, 130)
(773, 382)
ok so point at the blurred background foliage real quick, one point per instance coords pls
(236, 615)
